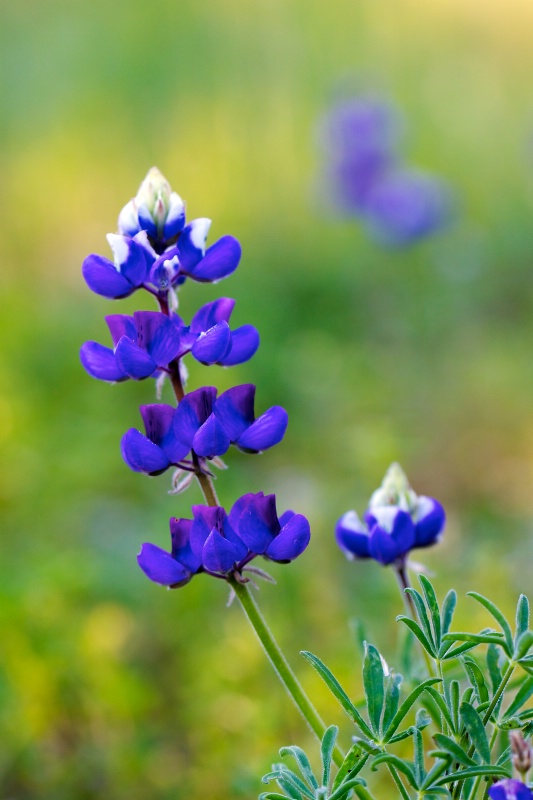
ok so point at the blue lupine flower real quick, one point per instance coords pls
(148, 341)
(510, 789)
(220, 544)
(396, 521)
(204, 424)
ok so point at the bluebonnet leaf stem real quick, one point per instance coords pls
(280, 664)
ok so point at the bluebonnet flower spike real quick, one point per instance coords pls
(510, 789)
(221, 544)
(396, 521)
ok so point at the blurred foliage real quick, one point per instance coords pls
(108, 685)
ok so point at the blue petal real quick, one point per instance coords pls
(128, 221)
(158, 335)
(180, 533)
(99, 361)
(158, 419)
(121, 325)
(510, 789)
(258, 522)
(382, 546)
(146, 222)
(429, 519)
(218, 555)
(213, 345)
(134, 361)
(142, 455)
(132, 257)
(398, 526)
(160, 567)
(221, 259)
(211, 438)
(244, 344)
(192, 412)
(352, 535)
(191, 243)
(266, 431)
(218, 311)
(175, 218)
(291, 541)
(205, 519)
(235, 409)
(102, 277)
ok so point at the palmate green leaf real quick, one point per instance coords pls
(288, 781)
(345, 788)
(473, 772)
(476, 730)
(443, 708)
(303, 763)
(353, 763)
(392, 699)
(433, 709)
(415, 628)
(422, 615)
(373, 682)
(493, 658)
(476, 638)
(448, 608)
(521, 697)
(406, 706)
(327, 746)
(454, 749)
(398, 763)
(455, 690)
(273, 796)
(498, 616)
(336, 689)
(435, 772)
(523, 644)
(433, 607)
(446, 654)
(476, 678)
(420, 772)
(522, 616)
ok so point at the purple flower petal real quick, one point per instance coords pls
(218, 311)
(134, 361)
(160, 567)
(146, 222)
(175, 218)
(510, 789)
(132, 256)
(258, 522)
(429, 519)
(180, 534)
(158, 419)
(244, 344)
(192, 412)
(212, 345)
(102, 277)
(211, 439)
(191, 243)
(218, 554)
(128, 221)
(291, 541)
(141, 454)
(395, 524)
(121, 325)
(220, 260)
(99, 361)
(205, 519)
(235, 409)
(158, 335)
(352, 535)
(382, 546)
(266, 431)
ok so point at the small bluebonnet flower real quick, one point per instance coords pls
(221, 544)
(147, 342)
(510, 789)
(204, 424)
(396, 521)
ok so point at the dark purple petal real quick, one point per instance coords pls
(285, 517)
(205, 519)
(158, 335)
(395, 524)
(510, 789)
(180, 534)
(244, 344)
(102, 277)
(352, 535)
(239, 507)
(212, 346)
(192, 412)
(258, 523)
(191, 243)
(121, 325)
(235, 409)
(220, 260)
(175, 218)
(266, 431)
(382, 546)
(160, 567)
(99, 361)
(134, 361)
(218, 554)
(211, 439)
(291, 541)
(429, 519)
(218, 311)
(142, 455)
(132, 256)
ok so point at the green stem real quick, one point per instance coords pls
(397, 780)
(280, 663)
(475, 787)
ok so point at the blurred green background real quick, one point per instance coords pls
(110, 686)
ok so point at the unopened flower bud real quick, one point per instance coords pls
(395, 490)
(521, 752)
(155, 209)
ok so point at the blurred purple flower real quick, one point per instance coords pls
(510, 789)
(204, 424)
(396, 521)
(220, 544)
